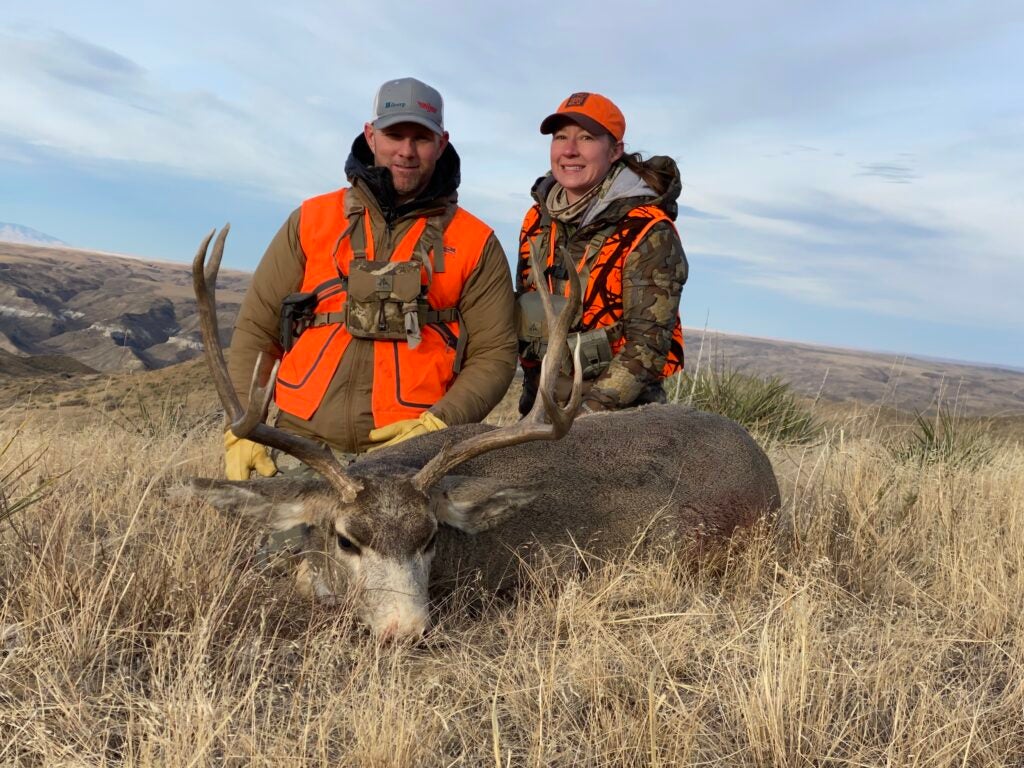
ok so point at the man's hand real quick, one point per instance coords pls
(241, 456)
(403, 430)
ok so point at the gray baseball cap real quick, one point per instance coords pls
(407, 100)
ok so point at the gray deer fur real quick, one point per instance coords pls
(475, 502)
(696, 475)
(683, 478)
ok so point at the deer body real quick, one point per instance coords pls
(473, 501)
(686, 477)
(663, 476)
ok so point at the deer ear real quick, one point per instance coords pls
(474, 504)
(265, 501)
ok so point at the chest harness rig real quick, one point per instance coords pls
(600, 327)
(405, 301)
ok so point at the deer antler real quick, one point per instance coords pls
(249, 423)
(532, 426)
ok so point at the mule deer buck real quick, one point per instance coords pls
(397, 520)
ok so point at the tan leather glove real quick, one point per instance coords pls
(241, 456)
(403, 430)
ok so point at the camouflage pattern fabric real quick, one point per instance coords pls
(652, 283)
(643, 290)
(380, 294)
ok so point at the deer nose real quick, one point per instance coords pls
(405, 628)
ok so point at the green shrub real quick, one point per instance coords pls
(765, 406)
(945, 438)
(12, 474)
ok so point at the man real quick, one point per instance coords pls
(389, 306)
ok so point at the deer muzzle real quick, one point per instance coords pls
(393, 598)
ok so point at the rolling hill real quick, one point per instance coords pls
(65, 312)
(108, 312)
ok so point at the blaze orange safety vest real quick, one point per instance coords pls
(602, 295)
(406, 381)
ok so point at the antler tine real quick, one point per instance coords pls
(562, 418)
(532, 426)
(204, 284)
(550, 366)
(249, 422)
(261, 392)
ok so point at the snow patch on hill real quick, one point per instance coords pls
(18, 233)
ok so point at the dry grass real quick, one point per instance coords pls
(879, 625)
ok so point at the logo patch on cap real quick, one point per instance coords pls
(428, 107)
(577, 99)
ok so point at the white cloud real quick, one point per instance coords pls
(790, 125)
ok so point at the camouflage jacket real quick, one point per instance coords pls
(652, 281)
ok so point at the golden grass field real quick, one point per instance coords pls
(877, 623)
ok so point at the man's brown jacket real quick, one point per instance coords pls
(344, 418)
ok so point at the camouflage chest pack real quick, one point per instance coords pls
(385, 301)
(532, 330)
(531, 325)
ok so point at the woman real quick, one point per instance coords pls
(608, 215)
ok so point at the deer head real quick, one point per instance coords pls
(378, 521)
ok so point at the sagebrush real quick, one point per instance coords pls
(767, 406)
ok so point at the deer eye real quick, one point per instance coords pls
(347, 544)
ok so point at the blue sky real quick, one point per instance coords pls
(852, 173)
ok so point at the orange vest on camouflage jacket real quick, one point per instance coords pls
(602, 294)
(406, 381)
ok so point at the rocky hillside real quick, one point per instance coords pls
(66, 312)
(110, 313)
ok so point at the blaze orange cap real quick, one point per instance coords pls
(591, 111)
